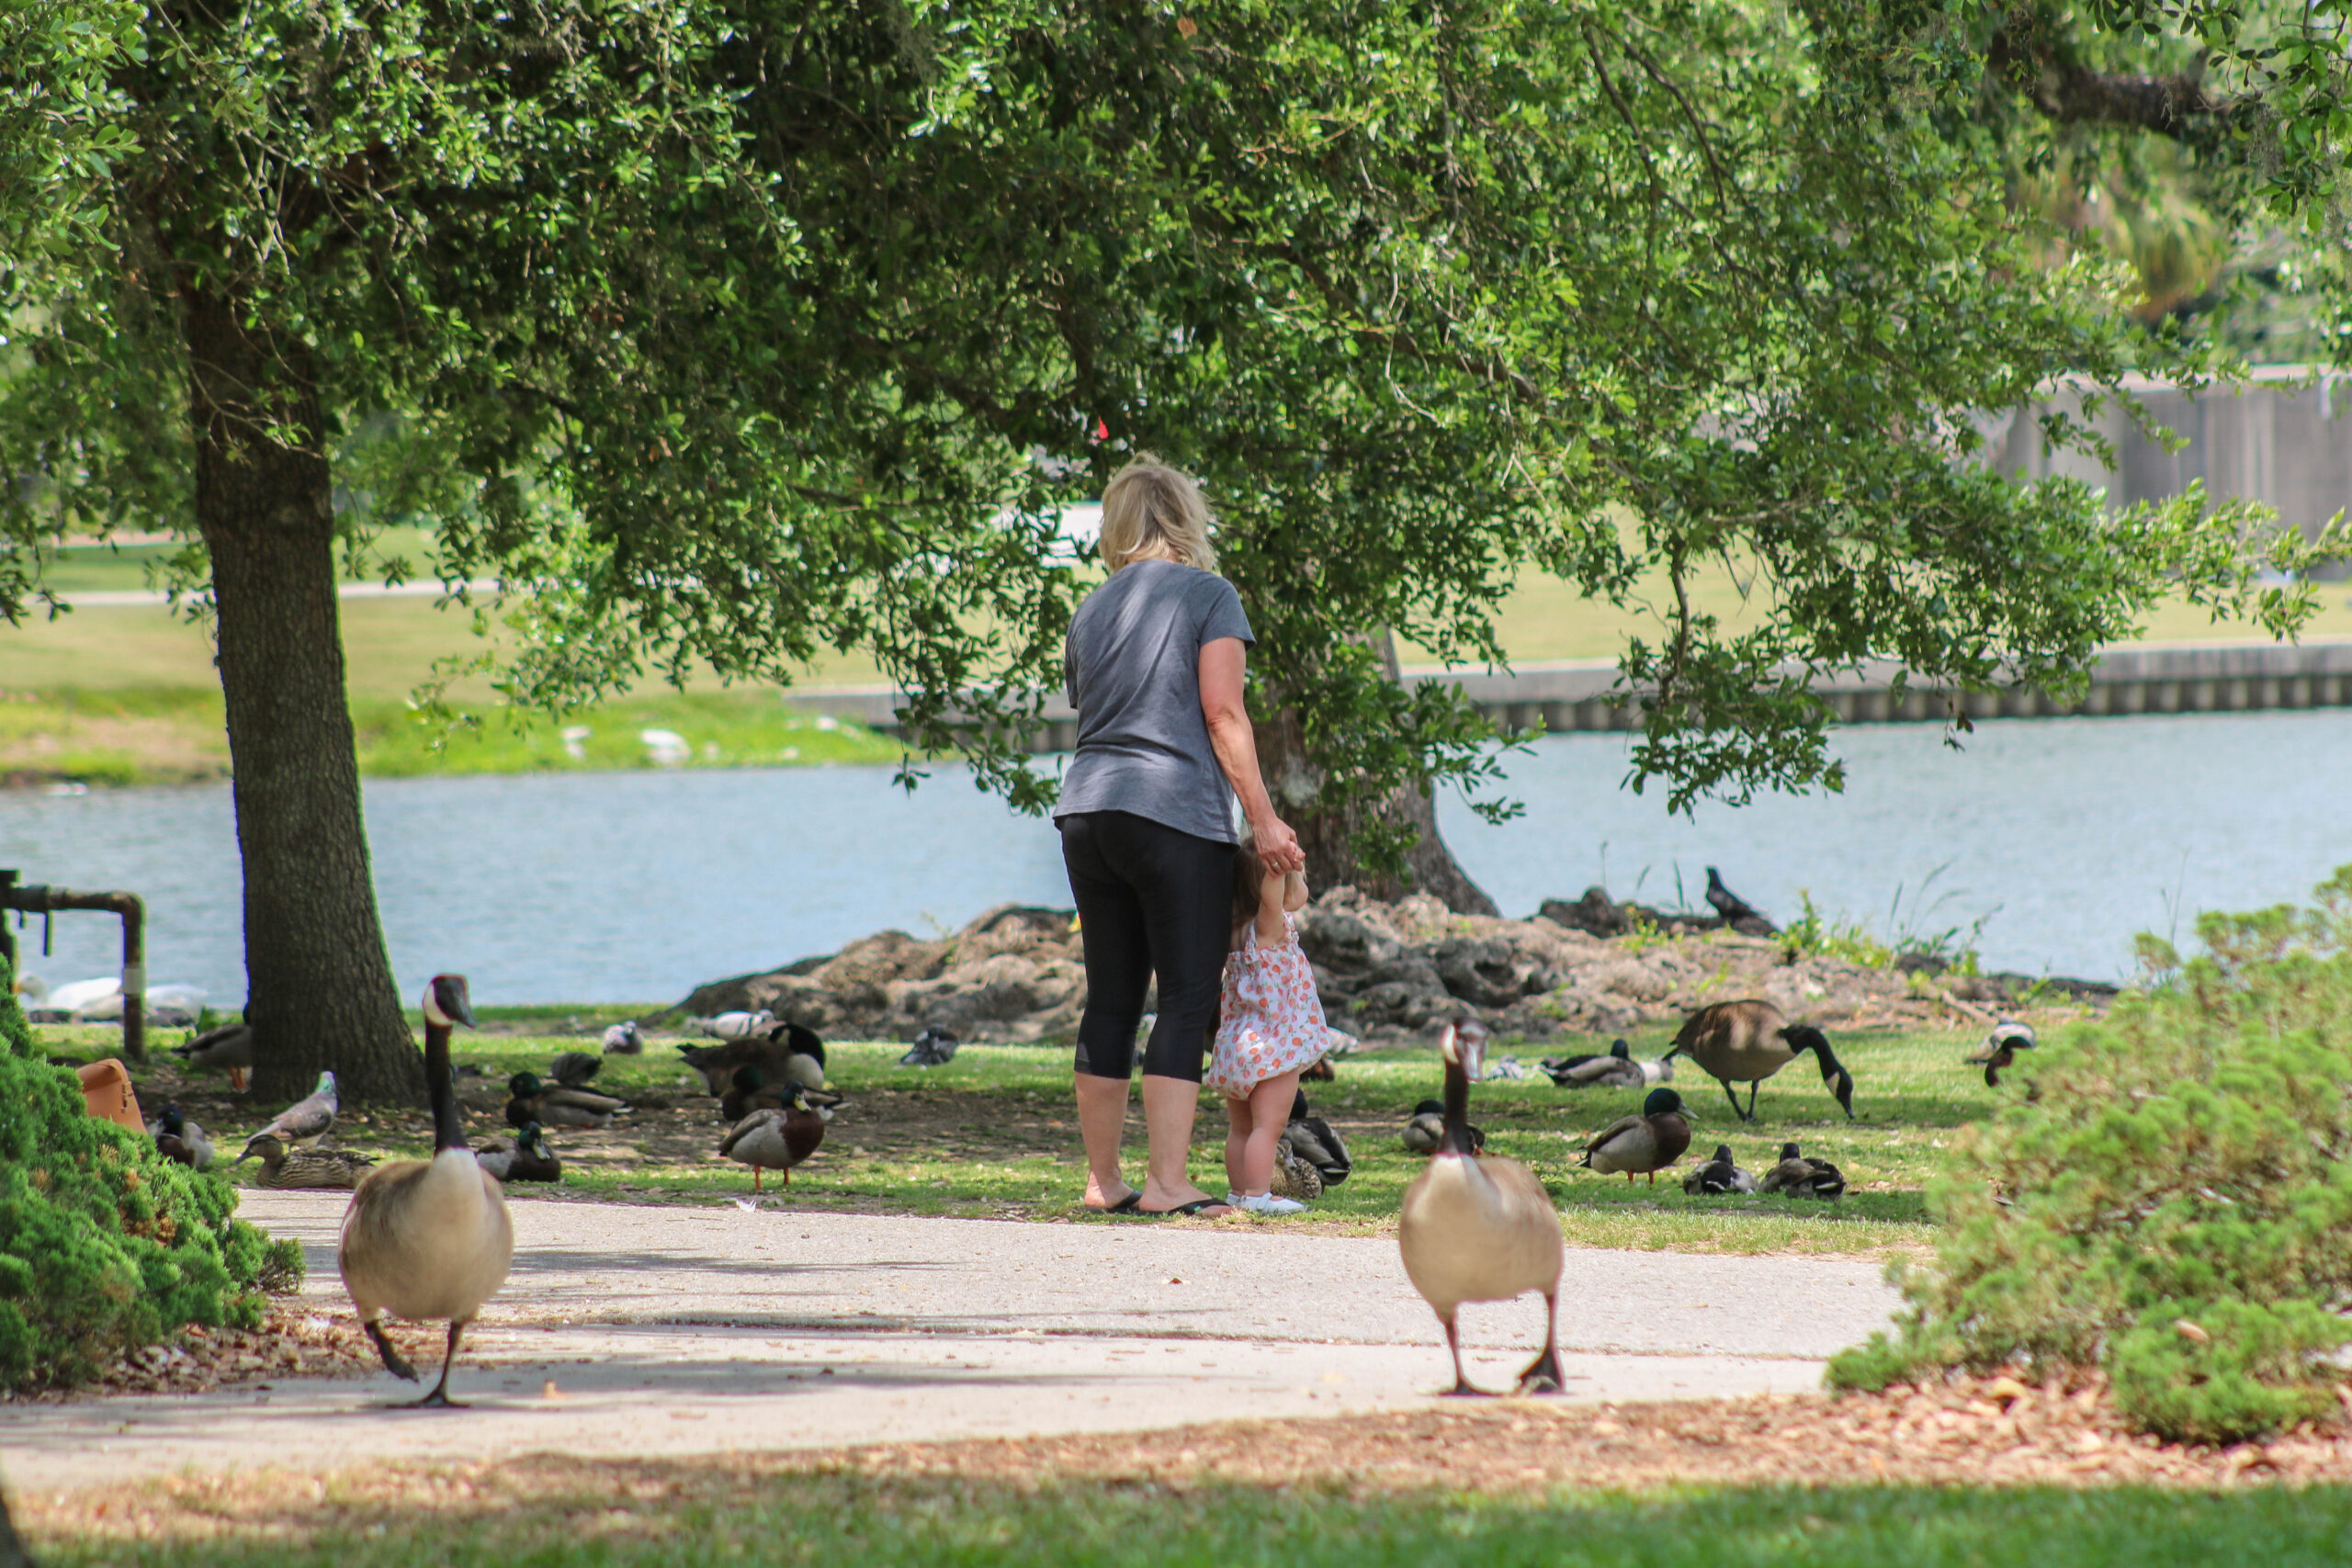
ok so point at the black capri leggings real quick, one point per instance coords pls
(1150, 900)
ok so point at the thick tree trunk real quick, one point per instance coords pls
(319, 991)
(1331, 837)
(12, 1551)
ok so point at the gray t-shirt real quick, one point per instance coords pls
(1134, 666)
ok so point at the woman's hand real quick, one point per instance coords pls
(1278, 848)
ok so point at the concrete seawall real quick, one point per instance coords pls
(1573, 696)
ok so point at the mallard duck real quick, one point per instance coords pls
(428, 1239)
(1294, 1176)
(1640, 1145)
(284, 1166)
(523, 1158)
(229, 1048)
(787, 1053)
(306, 1121)
(1747, 1043)
(1617, 1069)
(1425, 1129)
(2000, 1049)
(552, 1105)
(625, 1040)
(775, 1140)
(177, 1138)
(573, 1070)
(750, 1092)
(1719, 1176)
(933, 1048)
(1801, 1178)
(1317, 1143)
(1479, 1228)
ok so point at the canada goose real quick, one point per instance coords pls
(2000, 1049)
(625, 1040)
(775, 1140)
(1481, 1228)
(1719, 1176)
(337, 1170)
(1733, 908)
(573, 1070)
(523, 1158)
(552, 1105)
(1317, 1143)
(1747, 1043)
(229, 1047)
(177, 1138)
(734, 1025)
(1425, 1129)
(1801, 1178)
(788, 1052)
(933, 1048)
(1640, 1145)
(307, 1120)
(428, 1239)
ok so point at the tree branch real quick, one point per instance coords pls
(2067, 90)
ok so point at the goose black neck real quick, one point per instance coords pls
(448, 1128)
(1830, 1067)
(1457, 1112)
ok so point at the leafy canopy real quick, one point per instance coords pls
(735, 331)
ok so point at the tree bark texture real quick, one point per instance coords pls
(1331, 836)
(319, 990)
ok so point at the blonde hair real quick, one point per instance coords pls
(1151, 511)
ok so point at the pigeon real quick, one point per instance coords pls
(625, 1040)
(305, 1121)
(736, 1025)
(575, 1069)
(1719, 1174)
(933, 1048)
(1506, 1068)
(2000, 1049)
(1736, 911)
(1798, 1177)
(1315, 1142)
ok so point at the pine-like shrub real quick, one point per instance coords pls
(2170, 1200)
(105, 1244)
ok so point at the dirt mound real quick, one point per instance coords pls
(1386, 973)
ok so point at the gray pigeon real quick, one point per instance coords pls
(305, 1121)
(625, 1040)
(933, 1048)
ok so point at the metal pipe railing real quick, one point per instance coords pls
(39, 898)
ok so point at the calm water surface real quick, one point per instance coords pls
(2069, 835)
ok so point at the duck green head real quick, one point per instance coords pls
(522, 1086)
(528, 1138)
(747, 1079)
(1662, 1102)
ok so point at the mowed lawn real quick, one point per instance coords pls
(688, 1514)
(992, 1133)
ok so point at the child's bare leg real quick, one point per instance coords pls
(1237, 1141)
(1268, 1113)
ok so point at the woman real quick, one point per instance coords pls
(1155, 661)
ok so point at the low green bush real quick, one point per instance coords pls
(106, 1246)
(2170, 1199)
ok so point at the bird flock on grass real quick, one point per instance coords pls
(432, 1240)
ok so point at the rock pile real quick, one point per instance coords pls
(1387, 973)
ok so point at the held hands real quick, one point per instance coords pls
(1278, 848)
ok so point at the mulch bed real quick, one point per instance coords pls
(293, 1341)
(1976, 1432)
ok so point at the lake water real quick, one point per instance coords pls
(2068, 835)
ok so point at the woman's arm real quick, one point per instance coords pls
(1221, 703)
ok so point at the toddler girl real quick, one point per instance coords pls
(1271, 1027)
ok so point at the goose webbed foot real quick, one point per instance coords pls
(394, 1362)
(1543, 1374)
(439, 1398)
(1462, 1388)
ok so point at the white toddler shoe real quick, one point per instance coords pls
(1265, 1203)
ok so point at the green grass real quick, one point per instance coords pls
(992, 1133)
(841, 1519)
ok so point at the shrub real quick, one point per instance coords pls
(106, 1246)
(2172, 1198)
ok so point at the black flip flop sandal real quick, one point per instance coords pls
(1184, 1209)
(1130, 1204)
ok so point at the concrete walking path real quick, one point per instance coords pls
(667, 1331)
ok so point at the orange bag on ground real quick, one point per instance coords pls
(108, 1094)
